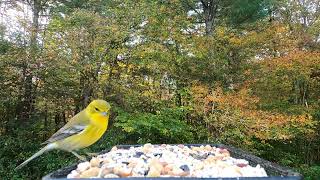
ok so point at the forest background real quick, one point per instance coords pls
(240, 72)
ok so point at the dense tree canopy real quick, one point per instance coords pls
(244, 73)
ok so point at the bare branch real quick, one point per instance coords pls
(194, 9)
(204, 4)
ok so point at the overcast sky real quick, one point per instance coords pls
(14, 18)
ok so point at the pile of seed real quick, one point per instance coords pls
(166, 161)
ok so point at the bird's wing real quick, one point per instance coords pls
(75, 125)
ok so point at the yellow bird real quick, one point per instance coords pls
(84, 129)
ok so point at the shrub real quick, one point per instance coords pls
(166, 126)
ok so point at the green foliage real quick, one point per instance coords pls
(167, 126)
(15, 150)
(248, 11)
(4, 46)
(228, 127)
(310, 173)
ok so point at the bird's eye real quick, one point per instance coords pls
(97, 109)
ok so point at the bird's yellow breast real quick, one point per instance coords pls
(99, 120)
(88, 136)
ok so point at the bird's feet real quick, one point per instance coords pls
(82, 158)
(92, 154)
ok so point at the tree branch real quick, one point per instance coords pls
(204, 4)
(193, 8)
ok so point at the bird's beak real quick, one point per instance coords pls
(104, 113)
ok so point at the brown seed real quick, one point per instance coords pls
(199, 166)
(125, 172)
(163, 163)
(156, 164)
(176, 172)
(92, 172)
(167, 169)
(185, 173)
(226, 154)
(242, 165)
(223, 151)
(106, 171)
(219, 156)
(212, 159)
(122, 171)
(153, 172)
(116, 170)
(208, 147)
(94, 162)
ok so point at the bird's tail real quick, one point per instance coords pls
(43, 150)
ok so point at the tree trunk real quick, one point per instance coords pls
(29, 88)
(57, 121)
(46, 124)
(210, 11)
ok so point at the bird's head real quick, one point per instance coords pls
(99, 107)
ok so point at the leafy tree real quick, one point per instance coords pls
(244, 73)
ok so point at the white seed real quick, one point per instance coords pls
(83, 166)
